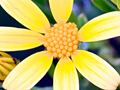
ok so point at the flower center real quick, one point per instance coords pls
(61, 39)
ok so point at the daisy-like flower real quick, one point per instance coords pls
(61, 41)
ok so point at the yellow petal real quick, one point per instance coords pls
(61, 9)
(8, 66)
(101, 28)
(4, 70)
(96, 70)
(12, 39)
(8, 60)
(3, 54)
(28, 72)
(27, 13)
(1, 77)
(65, 75)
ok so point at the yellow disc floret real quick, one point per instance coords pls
(61, 39)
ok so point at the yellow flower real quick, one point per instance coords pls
(60, 41)
(7, 64)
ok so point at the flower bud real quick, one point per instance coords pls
(7, 64)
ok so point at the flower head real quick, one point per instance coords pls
(61, 41)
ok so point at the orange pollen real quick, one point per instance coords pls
(61, 39)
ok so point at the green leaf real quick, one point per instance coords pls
(117, 2)
(51, 70)
(83, 46)
(118, 88)
(40, 1)
(45, 10)
(73, 18)
(81, 20)
(80, 76)
(104, 5)
(104, 51)
(86, 85)
(39, 88)
(97, 45)
(1, 88)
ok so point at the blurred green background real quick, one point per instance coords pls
(83, 11)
